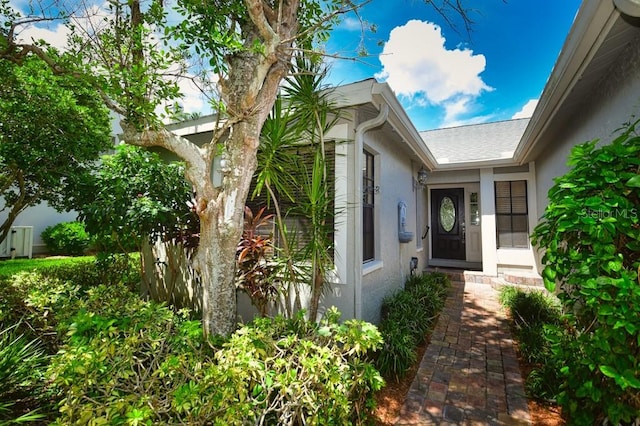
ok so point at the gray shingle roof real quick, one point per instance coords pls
(476, 142)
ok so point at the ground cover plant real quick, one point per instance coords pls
(590, 234)
(534, 316)
(407, 315)
(113, 358)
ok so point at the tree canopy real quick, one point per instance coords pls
(52, 130)
(240, 49)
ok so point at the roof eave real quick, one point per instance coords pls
(475, 164)
(401, 122)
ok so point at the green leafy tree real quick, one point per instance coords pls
(52, 130)
(135, 195)
(590, 234)
(243, 48)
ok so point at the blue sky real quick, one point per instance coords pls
(445, 78)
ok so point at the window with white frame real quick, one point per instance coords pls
(512, 214)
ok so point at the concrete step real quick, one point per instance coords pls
(520, 279)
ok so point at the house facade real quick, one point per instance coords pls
(486, 185)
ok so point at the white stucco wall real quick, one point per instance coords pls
(614, 101)
(393, 174)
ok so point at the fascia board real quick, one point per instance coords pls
(466, 165)
(203, 124)
(403, 125)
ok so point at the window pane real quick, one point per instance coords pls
(447, 214)
(520, 223)
(519, 205)
(504, 239)
(503, 190)
(503, 205)
(519, 188)
(520, 240)
(368, 200)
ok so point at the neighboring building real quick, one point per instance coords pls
(487, 184)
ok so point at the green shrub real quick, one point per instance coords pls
(590, 235)
(398, 353)
(406, 317)
(147, 364)
(532, 308)
(66, 238)
(120, 360)
(534, 316)
(42, 299)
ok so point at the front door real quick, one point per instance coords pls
(447, 224)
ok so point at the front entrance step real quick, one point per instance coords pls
(518, 279)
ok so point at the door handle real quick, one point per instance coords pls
(464, 232)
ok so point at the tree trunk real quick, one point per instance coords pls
(18, 207)
(215, 262)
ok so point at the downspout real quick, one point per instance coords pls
(357, 190)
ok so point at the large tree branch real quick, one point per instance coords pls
(257, 15)
(197, 162)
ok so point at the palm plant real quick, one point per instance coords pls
(309, 114)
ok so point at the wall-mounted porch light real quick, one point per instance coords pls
(420, 181)
(423, 176)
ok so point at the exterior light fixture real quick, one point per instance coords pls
(420, 180)
(423, 176)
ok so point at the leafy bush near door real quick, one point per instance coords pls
(406, 317)
(590, 234)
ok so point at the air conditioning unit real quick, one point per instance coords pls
(19, 242)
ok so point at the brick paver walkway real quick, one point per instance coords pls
(469, 374)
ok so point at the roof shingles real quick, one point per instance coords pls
(477, 142)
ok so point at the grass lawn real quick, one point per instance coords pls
(9, 267)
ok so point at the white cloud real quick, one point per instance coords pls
(417, 64)
(351, 24)
(527, 109)
(55, 35)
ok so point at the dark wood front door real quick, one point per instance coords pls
(447, 224)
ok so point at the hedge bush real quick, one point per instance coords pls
(117, 359)
(149, 365)
(66, 238)
(43, 299)
(590, 234)
(407, 315)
